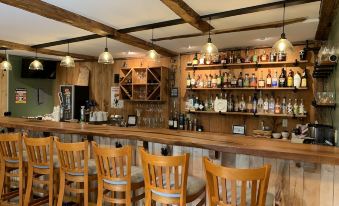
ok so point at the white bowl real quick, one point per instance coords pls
(285, 135)
(276, 135)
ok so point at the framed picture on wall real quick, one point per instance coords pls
(239, 129)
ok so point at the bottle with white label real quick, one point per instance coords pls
(297, 80)
(275, 79)
(271, 105)
(301, 107)
(265, 105)
(188, 80)
(260, 103)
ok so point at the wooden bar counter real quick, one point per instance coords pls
(212, 141)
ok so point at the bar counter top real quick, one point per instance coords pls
(206, 140)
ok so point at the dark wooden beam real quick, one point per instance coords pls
(269, 25)
(23, 47)
(59, 14)
(66, 41)
(184, 11)
(327, 13)
(242, 11)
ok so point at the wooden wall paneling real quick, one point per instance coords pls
(282, 184)
(296, 183)
(198, 169)
(3, 92)
(311, 196)
(326, 185)
(336, 186)
(273, 175)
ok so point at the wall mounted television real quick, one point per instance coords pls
(49, 71)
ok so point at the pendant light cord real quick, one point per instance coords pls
(5, 54)
(68, 48)
(36, 53)
(106, 42)
(152, 39)
(284, 18)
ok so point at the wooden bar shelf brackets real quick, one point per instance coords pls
(143, 84)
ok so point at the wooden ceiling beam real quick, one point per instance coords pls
(327, 13)
(23, 47)
(184, 11)
(242, 11)
(269, 25)
(59, 14)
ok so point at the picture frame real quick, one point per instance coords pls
(174, 92)
(132, 120)
(239, 129)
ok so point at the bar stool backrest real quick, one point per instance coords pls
(220, 178)
(11, 150)
(165, 178)
(114, 166)
(40, 151)
(73, 157)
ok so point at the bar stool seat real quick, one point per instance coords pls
(195, 186)
(136, 177)
(92, 170)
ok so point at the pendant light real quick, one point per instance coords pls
(283, 45)
(152, 54)
(36, 64)
(67, 61)
(209, 49)
(106, 57)
(5, 65)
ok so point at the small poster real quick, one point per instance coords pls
(21, 96)
(116, 102)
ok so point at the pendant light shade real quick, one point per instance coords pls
(67, 61)
(36, 64)
(283, 45)
(5, 65)
(153, 55)
(209, 49)
(106, 57)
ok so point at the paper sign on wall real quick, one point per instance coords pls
(116, 102)
(20, 96)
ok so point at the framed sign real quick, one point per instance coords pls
(116, 102)
(20, 96)
(132, 120)
(239, 129)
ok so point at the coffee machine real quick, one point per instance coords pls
(322, 134)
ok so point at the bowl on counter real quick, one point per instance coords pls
(276, 135)
(285, 135)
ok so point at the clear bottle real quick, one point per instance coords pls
(249, 106)
(269, 79)
(197, 82)
(255, 104)
(289, 107)
(271, 105)
(214, 81)
(209, 81)
(277, 107)
(218, 83)
(295, 107)
(230, 104)
(193, 81)
(302, 107)
(266, 105)
(260, 105)
(297, 80)
(234, 82)
(242, 104)
(284, 106)
(240, 80)
(248, 57)
(275, 79)
(236, 104)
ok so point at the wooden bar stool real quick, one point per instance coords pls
(12, 166)
(75, 168)
(222, 192)
(167, 180)
(116, 175)
(40, 165)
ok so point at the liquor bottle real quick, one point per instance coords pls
(289, 107)
(234, 82)
(271, 105)
(201, 82)
(249, 106)
(266, 105)
(277, 107)
(297, 80)
(230, 58)
(221, 80)
(261, 81)
(273, 57)
(301, 107)
(202, 59)
(196, 103)
(218, 84)
(269, 79)
(181, 121)
(193, 81)
(242, 104)
(284, 106)
(246, 82)
(282, 56)
(214, 81)
(188, 80)
(304, 79)
(209, 81)
(282, 78)
(210, 104)
(238, 58)
(206, 106)
(175, 121)
(275, 79)
(264, 57)
(290, 81)
(240, 80)
(201, 106)
(191, 103)
(226, 101)
(255, 57)
(230, 104)
(195, 61)
(248, 57)
(236, 104)
(260, 104)
(295, 107)
(223, 58)
(197, 82)
(253, 81)
(229, 80)
(255, 104)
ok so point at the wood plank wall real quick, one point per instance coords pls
(3, 92)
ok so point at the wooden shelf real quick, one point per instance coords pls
(329, 105)
(248, 88)
(249, 114)
(223, 66)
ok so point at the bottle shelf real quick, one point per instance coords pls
(241, 65)
(248, 88)
(329, 105)
(249, 114)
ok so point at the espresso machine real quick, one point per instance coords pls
(322, 134)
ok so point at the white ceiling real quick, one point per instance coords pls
(27, 28)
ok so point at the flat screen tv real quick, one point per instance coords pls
(49, 71)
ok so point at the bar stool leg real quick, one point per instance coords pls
(100, 193)
(29, 186)
(86, 190)
(50, 188)
(2, 179)
(61, 188)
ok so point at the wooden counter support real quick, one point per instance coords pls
(212, 141)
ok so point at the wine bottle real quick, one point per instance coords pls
(261, 81)
(304, 79)
(195, 61)
(269, 79)
(219, 80)
(188, 81)
(282, 78)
